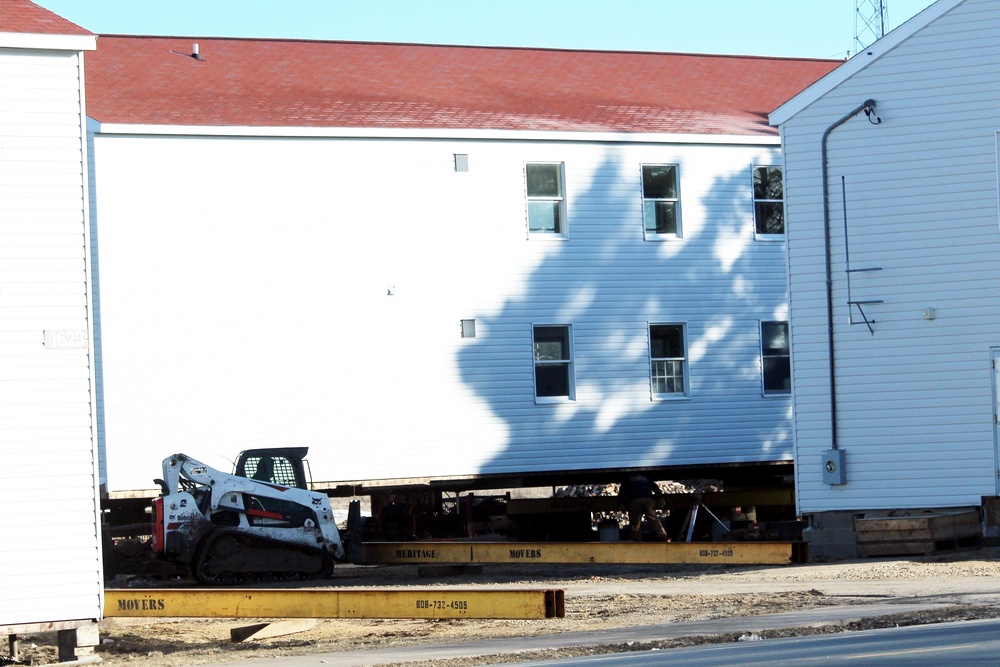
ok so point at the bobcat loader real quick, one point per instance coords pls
(233, 529)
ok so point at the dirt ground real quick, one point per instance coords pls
(965, 585)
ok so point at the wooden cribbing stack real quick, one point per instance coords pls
(917, 532)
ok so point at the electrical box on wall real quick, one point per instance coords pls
(834, 466)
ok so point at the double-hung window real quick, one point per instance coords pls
(553, 363)
(775, 358)
(660, 201)
(668, 360)
(768, 201)
(546, 201)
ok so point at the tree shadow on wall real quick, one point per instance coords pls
(609, 284)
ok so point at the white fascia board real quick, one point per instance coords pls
(860, 61)
(24, 40)
(452, 134)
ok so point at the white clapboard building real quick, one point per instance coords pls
(893, 238)
(438, 262)
(50, 551)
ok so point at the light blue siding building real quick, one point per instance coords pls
(894, 364)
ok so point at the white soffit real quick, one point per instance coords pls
(410, 133)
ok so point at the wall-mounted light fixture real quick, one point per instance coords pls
(468, 328)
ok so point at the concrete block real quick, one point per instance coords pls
(991, 517)
(272, 629)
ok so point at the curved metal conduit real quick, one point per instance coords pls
(868, 106)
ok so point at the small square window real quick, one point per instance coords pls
(553, 362)
(768, 201)
(546, 203)
(660, 201)
(667, 360)
(775, 358)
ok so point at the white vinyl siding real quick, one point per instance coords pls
(50, 565)
(247, 303)
(914, 407)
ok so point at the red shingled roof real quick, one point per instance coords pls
(257, 82)
(27, 17)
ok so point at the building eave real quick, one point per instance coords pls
(430, 134)
(21, 40)
(860, 61)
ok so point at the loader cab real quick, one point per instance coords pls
(284, 466)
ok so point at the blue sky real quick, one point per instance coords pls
(797, 28)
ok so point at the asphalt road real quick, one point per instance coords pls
(438, 653)
(954, 644)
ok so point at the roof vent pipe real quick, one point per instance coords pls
(868, 106)
(194, 52)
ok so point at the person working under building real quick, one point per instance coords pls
(639, 496)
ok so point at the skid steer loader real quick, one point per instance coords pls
(233, 529)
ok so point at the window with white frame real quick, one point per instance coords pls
(775, 358)
(660, 201)
(667, 360)
(553, 362)
(768, 201)
(546, 201)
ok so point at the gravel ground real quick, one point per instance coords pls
(961, 585)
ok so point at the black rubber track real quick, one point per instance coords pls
(230, 557)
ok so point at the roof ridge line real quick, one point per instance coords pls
(495, 47)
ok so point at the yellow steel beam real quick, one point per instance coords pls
(315, 603)
(735, 553)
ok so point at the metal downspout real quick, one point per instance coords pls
(867, 104)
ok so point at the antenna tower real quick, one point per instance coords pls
(870, 19)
